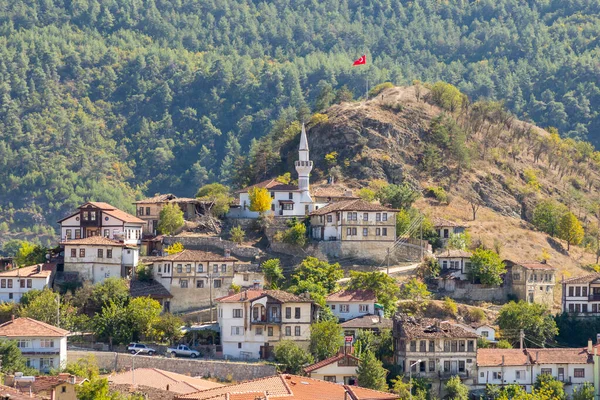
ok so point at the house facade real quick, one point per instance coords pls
(354, 221)
(446, 228)
(340, 368)
(532, 282)
(581, 295)
(194, 278)
(445, 349)
(349, 304)
(373, 323)
(286, 200)
(455, 263)
(55, 387)
(252, 322)
(44, 346)
(14, 283)
(101, 219)
(572, 366)
(97, 258)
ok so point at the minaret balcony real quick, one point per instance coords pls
(304, 163)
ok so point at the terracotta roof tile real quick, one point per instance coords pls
(195, 255)
(123, 216)
(15, 394)
(441, 222)
(28, 327)
(328, 361)
(159, 198)
(46, 382)
(560, 356)
(351, 205)
(99, 204)
(160, 379)
(515, 357)
(423, 328)
(250, 295)
(368, 322)
(152, 288)
(147, 392)
(33, 271)
(93, 240)
(271, 184)
(584, 279)
(494, 357)
(352, 295)
(454, 253)
(332, 191)
(535, 265)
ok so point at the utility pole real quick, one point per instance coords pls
(210, 293)
(57, 310)
(388, 261)
(521, 337)
(421, 236)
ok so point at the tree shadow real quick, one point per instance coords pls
(557, 246)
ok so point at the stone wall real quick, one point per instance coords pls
(470, 291)
(223, 370)
(215, 244)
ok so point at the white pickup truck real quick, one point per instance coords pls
(183, 350)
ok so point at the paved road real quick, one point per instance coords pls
(393, 270)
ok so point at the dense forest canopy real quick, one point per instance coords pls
(114, 99)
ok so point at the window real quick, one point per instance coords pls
(571, 307)
(461, 346)
(454, 346)
(199, 283)
(68, 233)
(422, 366)
(344, 308)
(288, 206)
(179, 268)
(109, 253)
(584, 308)
(46, 363)
(183, 283)
(365, 231)
(141, 211)
(223, 268)
(461, 366)
(93, 216)
(470, 345)
(485, 334)
(520, 374)
(330, 218)
(259, 331)
(577, 291)
(106, 233)
(579, 373)
(73, 253)
(297, 331)
(246, 277)
(23, 344)
(188, 268)
(363, 308)
(217, 283)
(516, 277)
(10, 283)
(291, 196)
(3, 283)
(77, 234)
(349, 231)
(29, 283)
(272, 207)
(297, 312)
(288, 331)
(584, 291)
(431, 365)
(100, 253)
(497, 375)
(383, 231)
(46, 343)
(237, 313)
(571, 291)
(288, 312)
(81, 252)
(431, 346)
(216, 268)
(86, 216)
(147, 210)
(446, 366)
(237, 331)
(422, 346)
(365, 216)
(200, 268)
(413, 364)
(270, 331)
(329, 378)
(21, 282)
(384, 217)
(378, 217)
(377, 231)
(63, 389)
(413, 345)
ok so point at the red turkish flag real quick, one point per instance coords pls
(362, 60)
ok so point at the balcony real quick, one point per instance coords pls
(266, 320)
(594, 297)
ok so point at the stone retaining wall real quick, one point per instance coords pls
(222, 370)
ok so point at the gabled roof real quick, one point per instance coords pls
(108, 210)
(7, 392)
(93, 241)
(454, 253)
(442, 222)
(332, 191)
(33, 271)
(351, 205)
(28, 327)
(47, 382)
(516, 357)
(161, 379)
(196, 255)
(251, 295)
(495, 357)
(328, 361)
(272, 185)
(159, 198)
(584, 279)
(423, 328)
(352, 295)
(151, 288)
(289, 387)
(369, 321)
(99, 204)
(532, 265)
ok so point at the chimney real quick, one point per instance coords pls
(543, 261)
(227, 252)
(348, 193)
(256, 286)
(590, 346)
(537, 355)
(72, 379)
(12, 317)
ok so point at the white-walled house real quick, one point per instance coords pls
(446, 228)
(581, 295)
(341, 368)
(44, 346)
(573, 366)
(16, 282)
(349, 304)
(252, 322)
(97, 258)
(454, 262)
(101, 219)
(486, 331)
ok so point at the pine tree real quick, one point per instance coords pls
(371, 373)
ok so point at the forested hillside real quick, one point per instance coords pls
(113, 99)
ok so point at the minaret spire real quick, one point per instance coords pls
(303, 167)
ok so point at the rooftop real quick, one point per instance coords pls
(250, 295)
(151, 288)
(44, 382)
(28, 327)
(533, 265)
(352, 295)
(108, 210)
(290, 387)
(442, 222)
(332, 191)
(495, 357)
(165, 380)
(351, 205)
(271, 185)
(454, 253)
(515, 357)
(195, 255)
(584, 279)
(94, 241)
(33, 271)
(328, 361)
(368, 322)
(423, 328)
(159, 198)
(7, 392)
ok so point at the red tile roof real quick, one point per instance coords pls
(332, 191)
(123, 216)
(583, 279)
(515, 357)
(352, 295)
(351, 205)
(250, 295)
(368, 322)
(536, 265)
(93, 241)
(161, 379)
(45, 382)
(271, 184)
(495, 357)
(28, 327)
(196, 255)
(328, 361)
(14, 394)
(289, 387)
(99, 204)
(33, 271)
(560, 356)
(424, 328)
(442, 222)
(454, 253)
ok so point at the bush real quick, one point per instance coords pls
(438, 193)
(450, 306)
(237, 234)
(294, 235)
(447, 96)
(380, 88)
(476, 315)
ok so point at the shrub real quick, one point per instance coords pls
(476, 315)
(450, 306)
(318, 118)
(380, 88)
(296, 234)
(438, 193)
(237, 234)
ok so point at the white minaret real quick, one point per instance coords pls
(303, 167)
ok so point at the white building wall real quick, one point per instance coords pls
(353, 309)
(334, 370)
(37, 355)
(17, 291)
(91, 267)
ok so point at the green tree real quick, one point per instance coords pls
(30, 254)
(456, 390)
(326, 339)
(447, 96)
(143, 314)
(237, 234)
(550, 386)
(398, 196)
(218, 195)
(370, 372)
(273, 272)
(450, 306)
(175, 248)
(292, 356)
(86, 367)
(319, 272)
(414, 290)
(504, 344)
(382, 285)
(533, 318)
(12, 359)
(547, 215)
(486, 267)
(366, 194)
(584, 392)
(143, 272)
(459, 241)
(296, 235)
(260, 200)
(113, 323)
(570, 229)
(170, 219)
(168, 328)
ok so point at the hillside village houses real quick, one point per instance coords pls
(532, 282)
(340, 368)
(44, 346)
(455, 263)
(14, 283)
(101, 219)
(349, 304)
(581, 295)
(252, 322)
(96, 258)
(446, 228)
